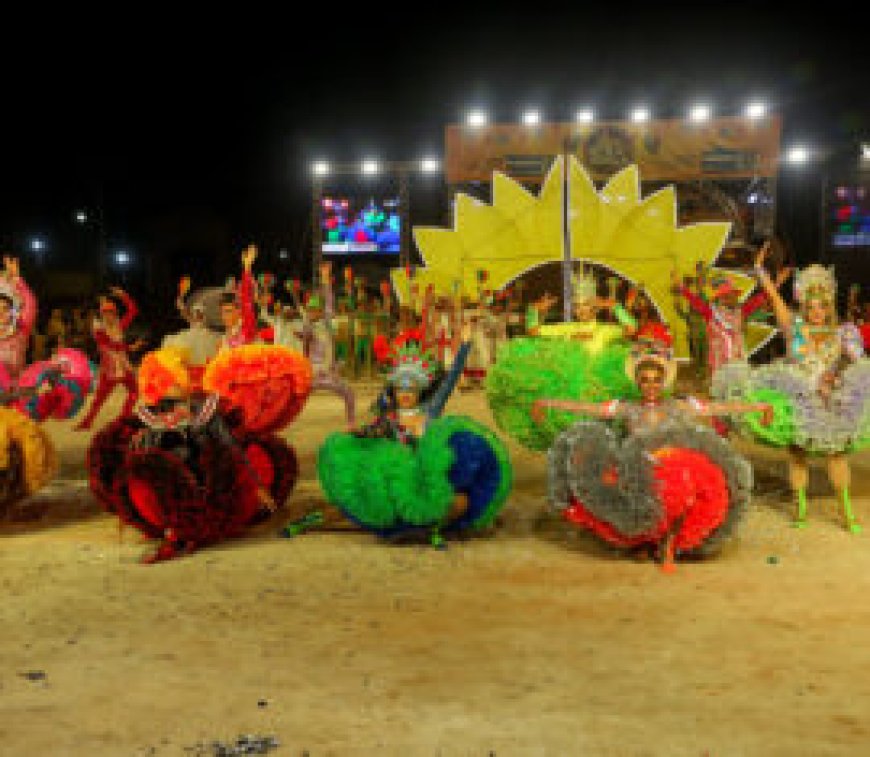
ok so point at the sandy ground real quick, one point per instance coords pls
(530, 641)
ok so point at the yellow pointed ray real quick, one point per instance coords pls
(584, 212)
(594, 216)
(517, 232)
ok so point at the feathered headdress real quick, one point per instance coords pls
(815, 281)
(584, 285)
(653, 344)
(386, 349)
(163, 373)
(412, 368)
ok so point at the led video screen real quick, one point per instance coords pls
(360, 225)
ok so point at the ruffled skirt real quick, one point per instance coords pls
(529, 369)
(28, 460)
(388, 487)
(802, 417)
(188, 491)
(675, 480)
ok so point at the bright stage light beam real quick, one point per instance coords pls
(797, 155)
(756, 110)
(320, 168)
(122, 257)
(370, 167)
(430, 165)
(532, 117)
(640, 115)
(476, 118)
(699, 113)
(37, 245)
(81, 217)
(586, 116)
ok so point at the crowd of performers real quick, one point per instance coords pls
(195, 455)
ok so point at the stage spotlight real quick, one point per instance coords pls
(430, 165)
(640, 115)
(586, 116)
(320, 168)
(81, 217)
(122, 258)
(283, 254)
(370, 167)
(865, 151)
(797, 155)
(37, 245)
(532, 117)
(699, 113)
(756, 110)
(476, 118)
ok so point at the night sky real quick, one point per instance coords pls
(204, 127)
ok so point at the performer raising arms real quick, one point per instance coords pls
(320, 344)
(198, 340)
(725, 317)
(238, 308)
(412, 469)
(115, 368)
(820, 393)
(671, 483)
(17, 315)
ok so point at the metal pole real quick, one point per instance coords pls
(316, 229)
(823, 190)
(567, 267)
(405, 216)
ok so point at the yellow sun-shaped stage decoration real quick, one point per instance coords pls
(638, 239)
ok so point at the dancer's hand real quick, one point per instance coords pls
(538, 412)
(545, 303)
(138, 345)
(118, 292)
(767, 415)
(249, 256)
(465, 333)
(10, 267)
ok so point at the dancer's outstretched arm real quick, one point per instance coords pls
(246, 295)
(710, 409)
(131, 310)
(537, 312)
(780, 309)
(448, 384)
(696, 303)
(597, 409)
